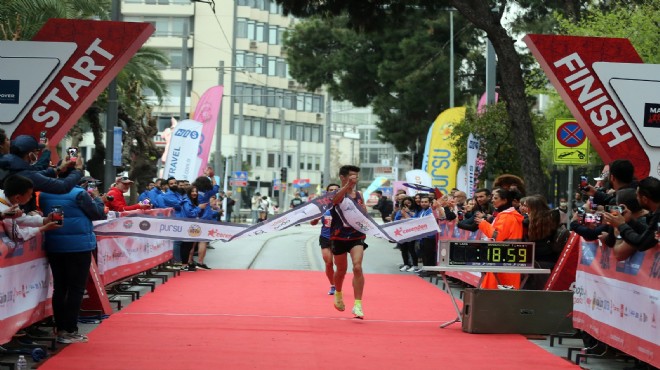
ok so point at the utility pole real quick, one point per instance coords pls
(281, 198)
(109, 171)
(451, 58)
(328, 124)
(184, 73)
(239, 152)
(299, 138)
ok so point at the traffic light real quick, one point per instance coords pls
(283, 174)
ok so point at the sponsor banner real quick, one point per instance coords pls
(206, 113)
(617, 302)
(25, 286)
(402, 231)
(182, 158)
(462, 180)
(201, 230)
(442, 165)
(562, 276)
(100, 50)
(471, 166)
(186, 229)
(418, 177)
(588, 72)
(119, 257)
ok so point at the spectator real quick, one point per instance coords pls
(507, 226)
(118, 203)
(384, 206)
(621, 176)
(4, 143)
(427, 245)
(264, 205)
(482, 205)
(69, 252)
(408, 252)
(256, 201)
(145, 194)
(18, 190)
(23, 153)
(627, 199)
(563, 210)
(296, 201)
(577, 201)
(548, 235)
(174, 198)
(193, 209)
(510, 182)
(230, 206)
(635, 234)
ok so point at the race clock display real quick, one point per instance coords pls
(486, 253)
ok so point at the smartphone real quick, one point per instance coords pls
(72, 152)
(584, 182)
(42, 137)
(58, 215)
(615, 210)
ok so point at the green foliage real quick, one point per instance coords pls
(637, 21)
(22, 19)
(399, 66)
(493, 130)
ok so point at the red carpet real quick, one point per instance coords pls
(256, 319)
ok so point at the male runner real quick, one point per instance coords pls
(324, 242)
(346, 239)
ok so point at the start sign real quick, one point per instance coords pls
(570, 145)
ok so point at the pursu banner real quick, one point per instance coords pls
(201, 230)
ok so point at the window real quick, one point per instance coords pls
(272, 66)
(240, 58)
(257, 160)
(261, 32)
(271, 160)
(248, 158)
(256, 127)
(308, 103)
(316, 134)
(270, 128)
(289, 161)
(241, 28)
(259, 64)
(251, 30)
(317, 164)
(272, 35)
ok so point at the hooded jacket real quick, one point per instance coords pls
(44, 180)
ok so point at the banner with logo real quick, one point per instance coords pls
(182, 160)
(202, 230)
(617, 302)
(609, 91)
(26, 285)
(418, 177)
(427, 145)
(442, 165)
(59, 82)
(206, 113)
(471, 166)
(120, 257)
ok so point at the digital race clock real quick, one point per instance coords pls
(486, 253)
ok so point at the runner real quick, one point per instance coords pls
(346, 239)
(324, 242)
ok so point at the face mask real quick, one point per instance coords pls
(563, 204)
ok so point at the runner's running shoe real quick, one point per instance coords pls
(68, 338)
(339, 302)
(332, 290)
(357, 311)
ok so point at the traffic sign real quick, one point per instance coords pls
(570, 145)
(570, 134)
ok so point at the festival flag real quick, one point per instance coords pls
(442, 165)
(182, 155)
(206, 113)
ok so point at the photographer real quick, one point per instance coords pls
(636, 234)
(621, 176)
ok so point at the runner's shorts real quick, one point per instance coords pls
(345, 246)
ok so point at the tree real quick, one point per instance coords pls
(371, 15)
(399, 68)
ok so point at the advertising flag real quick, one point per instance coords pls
(442, 165)
(206, 113)
(425, 158)
(418, 177)
(182, 156)
(471, 167)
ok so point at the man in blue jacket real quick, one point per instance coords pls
(69, 252)
(23, 152)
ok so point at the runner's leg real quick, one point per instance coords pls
(341, 262)
(357, 252)
(329, 268)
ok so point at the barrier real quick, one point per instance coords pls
(617, 302)
(25, 285)
(449, 231)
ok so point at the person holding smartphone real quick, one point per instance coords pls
(118, 202)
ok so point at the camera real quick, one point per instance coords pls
(110, 198)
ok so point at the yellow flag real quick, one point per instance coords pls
(442, 165)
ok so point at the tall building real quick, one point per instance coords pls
(239, 46)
